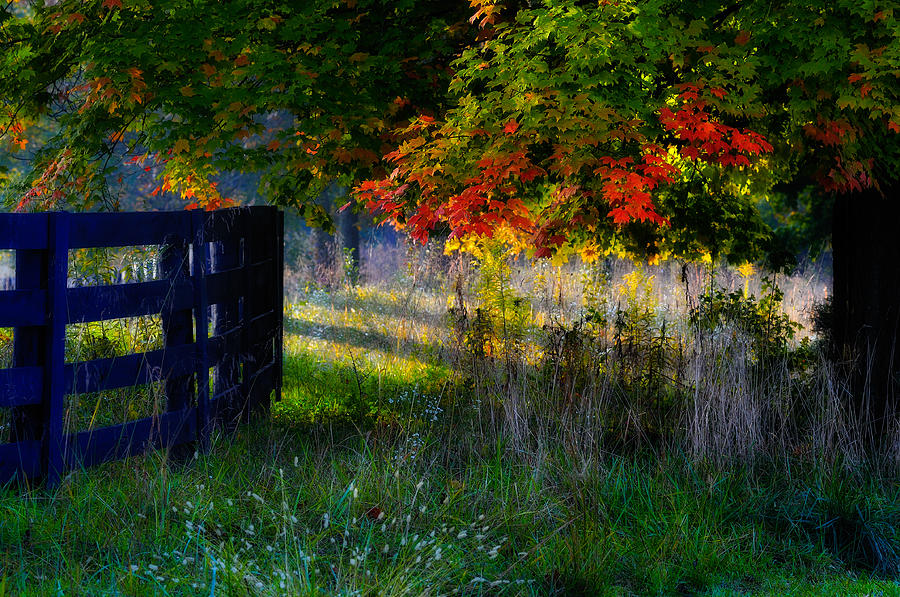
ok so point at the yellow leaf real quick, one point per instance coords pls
(181, 145)
(186, 91)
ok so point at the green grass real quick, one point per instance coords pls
(331, 513)
(376, 476)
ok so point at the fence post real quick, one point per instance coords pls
(247, 299)
(279, 302)
(226, 318)
(57, 308)
(30, 343)
(201, 318)
(177, 326)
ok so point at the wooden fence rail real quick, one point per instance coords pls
(219, 271)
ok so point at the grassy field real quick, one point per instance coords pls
(427, 446)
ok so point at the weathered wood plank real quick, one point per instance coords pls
(95, 446)
(95, 303)
(20, 459)
(225, 224)
(19, 308)
(200, 267)
(128, 229)
(23, 231)
(225, 286)
(130, 370)
(21, 386)
(54, 371)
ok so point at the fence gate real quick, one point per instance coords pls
(218, 296)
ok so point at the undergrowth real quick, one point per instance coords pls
(488, 427)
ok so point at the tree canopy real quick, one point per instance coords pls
(650, 126)
(654, 126)
(305, 93)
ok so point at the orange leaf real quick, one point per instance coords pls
(511, 127)
(742, 38)
(111, 4)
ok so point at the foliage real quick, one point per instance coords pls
(771, 331)
(303, 93)
(499, 325)
(649, 126)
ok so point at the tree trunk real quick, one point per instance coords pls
(866, 303)
(350, 242)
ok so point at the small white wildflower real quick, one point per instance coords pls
(152, 567)
(133, 567)
(461, 535)
(386, 548)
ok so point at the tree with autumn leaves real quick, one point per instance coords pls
(657, 127)
(305, 93)
(648, 127)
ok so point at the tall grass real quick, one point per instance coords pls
(485, 426)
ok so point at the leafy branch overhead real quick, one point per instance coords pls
(651, 126)
(645, 126)
(302, 92)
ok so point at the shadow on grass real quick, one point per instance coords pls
(365, 340)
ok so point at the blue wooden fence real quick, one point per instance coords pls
(220, 270)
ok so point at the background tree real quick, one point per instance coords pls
(304, 93)
(655, 127)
